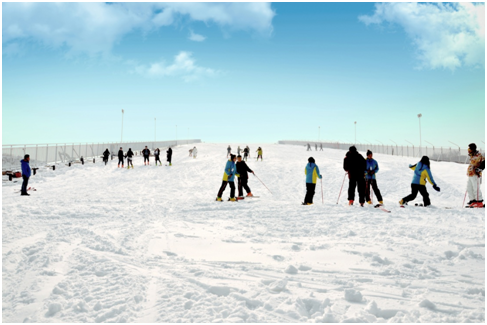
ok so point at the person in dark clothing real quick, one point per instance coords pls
(243, 179)
(120, 157)
(157, 153)
(169, 156)
(312, 173)
(372, 168)
(355, 164)
(246, 153)
(422, 172)
(228, 177)
(129, 156)
(25, 174)
(146, 153)
(106, 153)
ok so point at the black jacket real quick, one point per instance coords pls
(129, 154)
(146, 152)
(355, 164)
(156, 152)
(169, 152)
(242, 169)
(106, 153)
(120, 154)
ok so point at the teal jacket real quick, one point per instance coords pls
(312, 173)
(421, 174)
(230, 169)
(371, 165)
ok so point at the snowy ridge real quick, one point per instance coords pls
(99, 244)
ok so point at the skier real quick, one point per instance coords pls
(312, 173)
(354, 163)
(169, 156)
(371, 170)
(246, 153)
(146, 153)
(25, 174)
(316, 147)
(238, 150)
(422, 172)
(243, 179)
(321, 146)
(248, 150)
(474, 172)
(129, 156)
(229, 151)
(106, 153)
(259, 153)
(120, 157)
(229, 177)
(157, 152)
(195, 152)
(309, 148)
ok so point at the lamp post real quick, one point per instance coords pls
(355, 131)
(396, 147)
(432, 146)
(419, 118)
(459, 151)
(413, 147)
(121, 137)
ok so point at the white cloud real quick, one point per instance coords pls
(196, 37)
(446, 35)
(183, 66)
(95, 27)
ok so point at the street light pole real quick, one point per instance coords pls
(121, 137)
(419, 118)
(413, 146)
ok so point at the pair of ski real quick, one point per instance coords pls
(246, 197)
(30, 188)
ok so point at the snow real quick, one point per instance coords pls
(96, 243)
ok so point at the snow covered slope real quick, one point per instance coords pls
(95, 243)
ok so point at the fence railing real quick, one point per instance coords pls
(452, 154)
(45, 154)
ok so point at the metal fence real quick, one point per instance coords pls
(452, 154)
(46, 154)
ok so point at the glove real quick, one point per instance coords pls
(436, 188)
(478, 171)
(370, 172)
(321, 177)
(238, 175)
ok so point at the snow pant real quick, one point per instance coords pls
(310, 192)
(194, 155)
(158, 159)
(146, 158)
(259, 156)
(359, 182)
(309, 149)
(415, 188)
(245, 156)
(24, 184)
(242, 183)
(321, 148)
(120, 160)
(129, 162)
(224, 185)
(473, 188)
(105, 159)
(372, 182)
(169, 159)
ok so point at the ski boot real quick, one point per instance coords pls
(369, 202)
(401, 202)
(250, 194)
(350, 202)
(219, 199)
(381, 202)
(362, 205)
(232, 199)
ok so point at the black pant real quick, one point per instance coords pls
(105, 159)
(242, 182)
(359, 182)
(146, 158)
(310, 192)
(169, 159)
(158, 159)
(224, 185)
(120, 160)
(129, 162)
(24, 184)
(415, 188)
(372, 182)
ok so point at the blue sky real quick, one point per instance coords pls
(243, 72)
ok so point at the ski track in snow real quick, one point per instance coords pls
(96, 243)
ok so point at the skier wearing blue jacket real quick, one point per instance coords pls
(422, 173)
(229, 177)
(312, 173)
(372, 168)
(25, 174)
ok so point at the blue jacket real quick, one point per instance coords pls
(371, 165)
(25, 168)
(421, 174)
(312, 172)
(230, 169)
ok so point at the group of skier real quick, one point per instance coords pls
(245, 151)
(232, 169)
(316, 147)
(145, 153)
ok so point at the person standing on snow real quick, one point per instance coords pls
(309, 148)
(229, 151)
(474, 172)
(243, 179)
(238, 150)
(195, 152)
(169, 156)
(120, 157)
(229, 177)
(129, 156)
(190, 152)
(106, 153)
(371, 170)
(312, 173)
(316, 147)
(422, 172)
(259, 153)
(246, 153)
(354, 164)
(157, 154)
(321, 146)
(146, 154)
(26, 171)
(248, 150)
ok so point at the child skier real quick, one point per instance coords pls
(354, 164)
(372, 169)
(169, 156)
(422, 172)
(129, 156)
(120, 157)
(312, 173)
(229, 177)
(259, 153)
(474, 172)
(157, 152)
(243, 179)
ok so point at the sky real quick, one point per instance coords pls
(241, 73)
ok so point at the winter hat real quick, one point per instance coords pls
(369, 152)
(352, 149)
(473, 146)
(311, 160)
(425, 161)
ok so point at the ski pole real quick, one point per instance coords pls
(341, 187)
(262, 183)
(464, 197)
(322, 200)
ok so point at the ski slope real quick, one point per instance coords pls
(96, 243)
